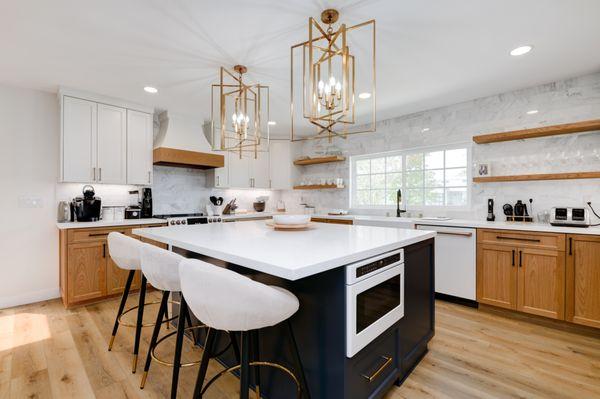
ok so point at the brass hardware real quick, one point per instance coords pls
(265, 364)
(110, 344)
(241, 69)
(94, 172)
(330, 16)
(170, 364)
(143, 383)
(455, 234)
(149, 177)
(388, 361)
(99, 174)
(518, 239)
(134, 364)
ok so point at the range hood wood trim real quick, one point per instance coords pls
(187, 159)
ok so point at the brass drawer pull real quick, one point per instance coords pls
(455, 234)
(518, 239)
(388, 361)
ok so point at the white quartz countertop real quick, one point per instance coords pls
(524, 226)
(290, 255)
(108, 223)
(248, 215)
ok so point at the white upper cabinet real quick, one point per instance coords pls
(102, 142)
(79, 124)
(220, 176)
(112, 144)
(282, 169)
(239, 172)
(259, 171)
(139, 147)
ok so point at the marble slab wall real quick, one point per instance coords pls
(565, 101)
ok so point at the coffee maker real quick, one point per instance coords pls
(86, 208)
(146, 202)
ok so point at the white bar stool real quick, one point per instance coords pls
(225, 300)
(125, 252)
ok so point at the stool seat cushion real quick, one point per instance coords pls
(161, 268)
(124, 251)
(225, 300)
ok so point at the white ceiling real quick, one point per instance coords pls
(429, 53)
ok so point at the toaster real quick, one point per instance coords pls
(575, 217)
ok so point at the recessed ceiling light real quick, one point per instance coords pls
(532, 111)
(364, 96)
(150, 89)
(425, 129)
(272, 123)
(522, 50)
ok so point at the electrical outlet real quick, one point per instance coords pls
(30, 202)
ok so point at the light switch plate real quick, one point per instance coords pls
(31, 202)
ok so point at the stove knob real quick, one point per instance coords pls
(178, 222)
(184, 222)
(172, 222)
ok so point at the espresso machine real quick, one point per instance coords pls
(86, 208)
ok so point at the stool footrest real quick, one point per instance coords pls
(170, 364)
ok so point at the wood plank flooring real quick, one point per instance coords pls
(49, 352)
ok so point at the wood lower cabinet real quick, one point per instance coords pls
(497, 275)
(87, 273)
(332, 221)
(583, 280)
(522, 271)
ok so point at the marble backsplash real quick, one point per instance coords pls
(559, 102)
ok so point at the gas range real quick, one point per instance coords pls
(189, 218)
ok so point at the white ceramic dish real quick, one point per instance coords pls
(291, 220)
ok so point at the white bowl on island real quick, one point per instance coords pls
(290, 220)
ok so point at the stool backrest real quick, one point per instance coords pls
(161, 268)
(225, 300)
(124, 251)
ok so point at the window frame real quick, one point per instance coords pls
(404, 154)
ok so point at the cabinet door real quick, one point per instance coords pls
(281, 165)
(541, 282)
(583, 280)
(497, 275)
(78, 147)
(239, 173)
(139, 148)
(259, 169)
(116, 278)
(86, 271)
(112, 144)
(221, 175)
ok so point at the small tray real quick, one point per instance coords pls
(304, 226)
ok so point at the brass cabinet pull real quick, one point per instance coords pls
(149, 177)
(518, 239)
(455, 234)
(94, 172)
(388, 361)
(99, 174)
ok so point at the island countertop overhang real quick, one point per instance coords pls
(291, 255)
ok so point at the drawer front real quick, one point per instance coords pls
(318, 220)
(522, 239)
(339, 221)
(97, 234)
(375, 367)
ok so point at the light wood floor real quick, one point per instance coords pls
(49, 352)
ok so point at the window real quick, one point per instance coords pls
(428, 178)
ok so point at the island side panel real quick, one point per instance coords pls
(416, 328)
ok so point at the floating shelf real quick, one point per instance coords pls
(315, 161)
(547, 176)
(317, 187)
(577, 127)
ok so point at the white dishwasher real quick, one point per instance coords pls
(455, 253)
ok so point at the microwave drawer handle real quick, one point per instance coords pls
(388, 361)
(455, 234)
(518, 239)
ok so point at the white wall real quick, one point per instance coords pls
(560, 102)
(29, 133)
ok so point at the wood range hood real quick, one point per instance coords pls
(182, 142)
(187, 159)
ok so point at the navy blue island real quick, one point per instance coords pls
(366, 299)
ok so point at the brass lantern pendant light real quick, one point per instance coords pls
(239, 125)
(329, 70)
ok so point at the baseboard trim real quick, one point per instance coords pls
(455, 299)
(29, 297)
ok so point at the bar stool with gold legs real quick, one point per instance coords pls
(161, 268)
(225, 300)
(125, 252)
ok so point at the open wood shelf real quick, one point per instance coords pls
(317, 187)
(546, 176)
(315, 161)
(577, 127)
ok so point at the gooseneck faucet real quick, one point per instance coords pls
(398, 200)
